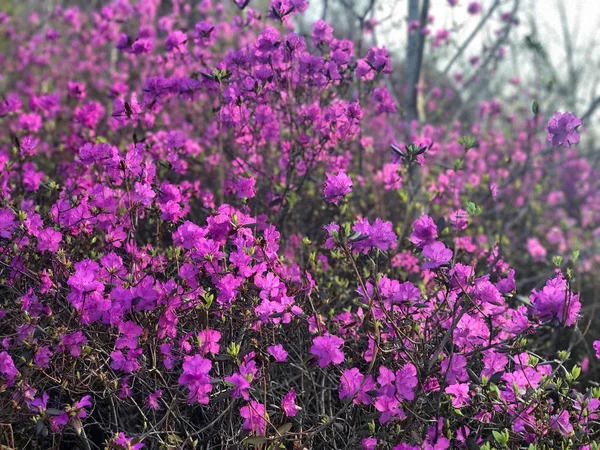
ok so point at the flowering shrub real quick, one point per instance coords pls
(222, 235)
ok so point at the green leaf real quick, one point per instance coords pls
(256, 440)
(283, 429)
(557, 260)
(473, 209)
(468, 142)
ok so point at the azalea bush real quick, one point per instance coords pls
(225, 236)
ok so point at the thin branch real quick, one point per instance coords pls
(469, 39)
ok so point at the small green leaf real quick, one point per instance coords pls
(473, 209)
(283, 429)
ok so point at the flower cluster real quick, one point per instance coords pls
(206, 239)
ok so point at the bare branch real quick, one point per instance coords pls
(469, 39)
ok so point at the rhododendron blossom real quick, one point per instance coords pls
(227, 225)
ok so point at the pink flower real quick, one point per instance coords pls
(369, 443)
(597, 348)
(8, 369)
(460, 393)
(176, 40)
(126, 443)
(336, 187)
(350, 386)
(278, 352)
(561, 423)
(241, 385)
(424, 231)
(327, 349)
(406, 381)
(322, 32)
(563, 129)
(380, 235)
(288, 404)
(152, 400)
(195, 377)
(255, 417)
(209, 341)
(48, 239)
(474, 8)
(556, 301)
(84, 402)
(437, 254)
(536, 250)
(7, 222)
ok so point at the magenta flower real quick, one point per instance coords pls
(42, 357)
(7, 368)
(406, 381)
(241, 385)
(152, 400)
(336, 187)
(380, 235)
(561, 423)
(459, 393)
(322, 32)
(437, 254)
(563, 129)
(493, 363)
(7, 223)
(176, 40)
(79, 407)
(556, 301)
(536, 250)
(130, 332)
(368, 443)
(288, 404)
(209, 341)
(597, 348)
(350, 386)
(327, 349)
(424, 231)
(403, 446)
(126, 443)
(474, 8)
(195, 377)
(278, 352)
(255, 417)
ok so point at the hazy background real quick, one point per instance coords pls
(552, 55)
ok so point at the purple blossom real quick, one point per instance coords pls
(556, 301)
(437, 255)
(406, 381)
(424, 231)
(561, 423)
(152, 400)
(195, 377)
(255, 417)
(278, 352)
(563, 129)
(327, 349)
(474, 8)
(459, 393)
(288, 404)
(336, 187)
(350, 387)
(8, 369)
